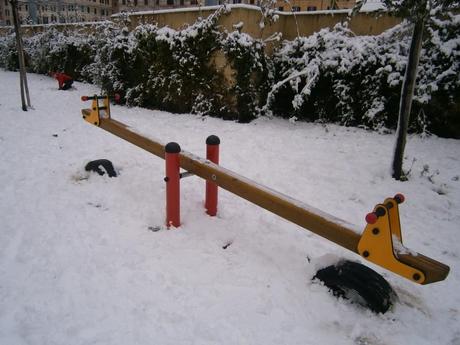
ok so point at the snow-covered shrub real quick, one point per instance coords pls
(176, 72)
(437, 96)
(335, 76)
(111, 65)
(168, 69)
(60, 50)
(251, 72)
(8, 52)
(330, 76)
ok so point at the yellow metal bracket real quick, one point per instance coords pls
(97, 111)
(381, 242)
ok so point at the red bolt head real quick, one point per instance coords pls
(117, 97)
(399, 198)
(84, 98)
(371, 218)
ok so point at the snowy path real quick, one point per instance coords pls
(79, 265)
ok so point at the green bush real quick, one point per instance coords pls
(330, 76)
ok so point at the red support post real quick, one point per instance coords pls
(212, 154)
(172, 180)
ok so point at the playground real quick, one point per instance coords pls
(88, 258)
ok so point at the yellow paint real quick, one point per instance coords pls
(393, 212)
(376, 245)
(94, 114)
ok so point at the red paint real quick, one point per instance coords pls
(399, 198)
(212, 154)
(172, 190)
(371, 218)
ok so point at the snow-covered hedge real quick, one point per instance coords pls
(331, 76)
(174, 69)
(253, 78)
(335, 76)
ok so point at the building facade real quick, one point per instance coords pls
(57, 11)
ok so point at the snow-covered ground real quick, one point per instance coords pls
(79, 263)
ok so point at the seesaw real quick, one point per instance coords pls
(381, 241)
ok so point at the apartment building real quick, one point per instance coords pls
(2, 12)
(57, 11)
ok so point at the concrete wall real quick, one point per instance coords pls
(250, 16)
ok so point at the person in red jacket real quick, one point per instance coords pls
(65, 81)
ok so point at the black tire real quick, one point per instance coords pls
(348, 278)
(105, 163)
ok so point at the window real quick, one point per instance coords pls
(311, 8)
(7, 12)
(45, 20)
(182, 2)
(27, 7)
(146, 2)
(87, 9)
(281, 8)
(123, 2)
(135, 2)
(169, 2)
(95, 11)
(295, 8)
(8, 22)
(193, 2)
(251, 2)
(237, 1)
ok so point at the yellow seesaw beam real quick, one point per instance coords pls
(376, 243)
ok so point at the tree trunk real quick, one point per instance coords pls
(407, 93)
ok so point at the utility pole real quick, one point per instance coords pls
(22, 68)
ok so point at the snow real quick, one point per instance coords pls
(81, 261)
